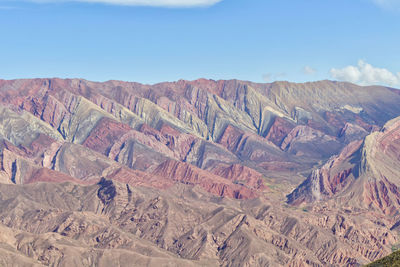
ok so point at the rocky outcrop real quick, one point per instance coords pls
(365, 174)
(330, 179)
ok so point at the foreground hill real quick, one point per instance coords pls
(393, 260)
(197, 173)
(115, 224)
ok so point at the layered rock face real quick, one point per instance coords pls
(366, 174)
(196, 173)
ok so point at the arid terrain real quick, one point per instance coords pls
(198, 173)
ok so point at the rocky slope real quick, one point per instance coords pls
(114, 223)
(196, 173)
(365, 175)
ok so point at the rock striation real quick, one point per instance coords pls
(365, 174)
(196, 173)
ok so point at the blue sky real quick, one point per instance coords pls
(257, 40)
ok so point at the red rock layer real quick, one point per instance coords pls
(279, 130)
(240, 174)
(188, 174)
(51, 176)
(104, 135)
(231, 138)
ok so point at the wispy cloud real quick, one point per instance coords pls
(366, 74)
(153, 3)
(271, 77)
(388, 4)
(307, 70)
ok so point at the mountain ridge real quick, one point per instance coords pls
(207, 165)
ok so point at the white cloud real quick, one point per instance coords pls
(153, 3)
(366, 74)
(309, 70)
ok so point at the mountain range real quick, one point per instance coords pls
(198, 173)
